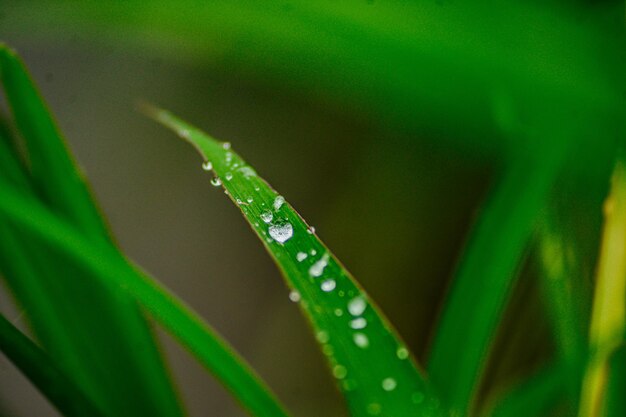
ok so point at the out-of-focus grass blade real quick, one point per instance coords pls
(371, 365)
(108, 267)
(486, 274)
(614, 400)
(63, 392)
(535, 396)
(98, 337)
(608, 319)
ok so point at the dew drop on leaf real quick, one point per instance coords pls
(216, 181)
(294, 296)
(361, 340)
(267, 216)
(228, 176)
(300, 256)
(281, 232)
(389, 384)
(402, 353)
(359, 323)
(278, 202)
(226, 145)
(322, 336)
(317, 269)
(340, 371)
(357, 306)
(207, 165)
(328, 285)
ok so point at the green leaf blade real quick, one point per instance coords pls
(372, 367)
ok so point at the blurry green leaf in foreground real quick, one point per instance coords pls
(97, 336)
(370, 363)
(66, 396)
(110, 269)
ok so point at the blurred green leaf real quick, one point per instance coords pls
(98, 337)
(369, 362)
(112, 271)
(61, 390)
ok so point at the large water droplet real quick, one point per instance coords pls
(389, 384)
(281, 232)
(301, 256)
(207, 165)
(359, 323)
(226, 145)
(328, 285)
(317, 269)
(361, 340)
(216, 181)
(294, 296)
(357, 306)
(267, 216)
(278, 202)
(340, 371)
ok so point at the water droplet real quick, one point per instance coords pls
(247, 172)
(402, 353)
(301, 256)
(239, 201)
(228, 176)
(317, 269)
(229, 158)
(361, 340)
(249, 200)
(184, 133)
(226, 145)
(359, 323)
(357, 306)
(294, 296)
(328, 285)
(278, 202)
(338, 312)
(389, 384)
(340, 371)
(322, 336)
(313, 252)
(216, 181)
(267, 216)
(207, 165)
(281, 232)
(310, 230)
(374, 409)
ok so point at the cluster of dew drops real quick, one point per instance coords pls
(281, 231)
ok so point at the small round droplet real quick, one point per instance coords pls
(322, 336)
(310, 230)
(389, 384)
(361, 340)
(402, 353)
(340, 371)
(278, 202)
(313, 252)
(357, 306)
(216, 181)
(374, 409)
(239, 201)
(249, 200)
(267, 216)
(228, 176)
(294, 296)
(327, 350)
(207, 165)
(328, 285)
(281, 232)
(301, 256)
(338, 312)
(358, 323)
(226, 145)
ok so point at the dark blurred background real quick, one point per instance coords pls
(393, 205)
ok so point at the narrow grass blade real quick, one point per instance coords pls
(60, 390)
(370, 363)
(608, 319)
(98, 337)
(485, 277)
(112, 271)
